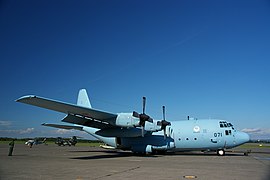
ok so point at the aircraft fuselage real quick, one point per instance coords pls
(187, 135)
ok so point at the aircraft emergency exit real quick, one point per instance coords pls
(138, 132)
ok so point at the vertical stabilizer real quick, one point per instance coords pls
(83, 99)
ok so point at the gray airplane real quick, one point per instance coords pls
(63, 142)
(35, 141)
(138, 132)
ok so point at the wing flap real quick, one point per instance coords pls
(68, 108)
(86, 122)
(120, 132)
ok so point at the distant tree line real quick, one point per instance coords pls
(48, 139)
(260, 141)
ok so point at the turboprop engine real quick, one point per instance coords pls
(143, 120)
(127, 120)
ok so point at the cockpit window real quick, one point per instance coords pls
(224, 124)
(231, 125)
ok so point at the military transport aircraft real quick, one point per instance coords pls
(138, 132)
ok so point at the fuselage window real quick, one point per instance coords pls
(187, 139)
(195, 139)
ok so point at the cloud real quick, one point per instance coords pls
(27, 131)
(18, 131)
(257, 133)
(252, 130)
(257, 130)
(63, 131)
(5, 123)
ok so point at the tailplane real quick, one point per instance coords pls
(83, 99)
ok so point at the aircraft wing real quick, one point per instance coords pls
(76, 114)
(63, 126)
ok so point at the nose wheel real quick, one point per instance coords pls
(220, 152)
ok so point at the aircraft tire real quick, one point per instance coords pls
(161, 152)
(220, 152)
(139, 153)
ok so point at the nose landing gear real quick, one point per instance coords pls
(220, 152)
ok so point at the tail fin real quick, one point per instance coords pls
(83, 99)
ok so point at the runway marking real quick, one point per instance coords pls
(135, 160)
(190, 177)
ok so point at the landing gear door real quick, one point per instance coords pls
(118, 142)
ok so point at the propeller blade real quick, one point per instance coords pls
(163, 110)
(150, 120)
(163, 123)
(144, 102)
(165, 136)
(143, 117)
(135, 114)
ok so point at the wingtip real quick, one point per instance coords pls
(25, 97)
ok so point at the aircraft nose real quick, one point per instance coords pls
(242, 137)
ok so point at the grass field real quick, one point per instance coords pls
(254, 145)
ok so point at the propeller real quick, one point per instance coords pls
(163, 123)
(143, 117)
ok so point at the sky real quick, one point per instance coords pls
(206, 59)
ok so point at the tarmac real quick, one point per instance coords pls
(80, 163)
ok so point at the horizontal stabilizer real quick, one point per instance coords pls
(63, 126)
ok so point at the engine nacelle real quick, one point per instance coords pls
(127, 120)
(153, 127)
(150, 148)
